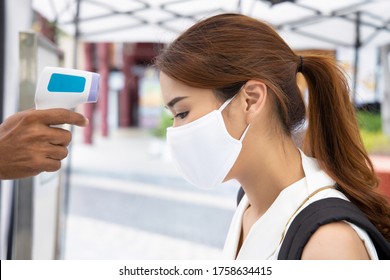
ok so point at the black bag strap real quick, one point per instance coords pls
(326, 211)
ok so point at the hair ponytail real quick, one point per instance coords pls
(333, 138)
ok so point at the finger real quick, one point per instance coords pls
(59, 136)
(41, 164)
(61, 116)
(51, 165)
(56, 152)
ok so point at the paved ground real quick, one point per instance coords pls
(128, 202)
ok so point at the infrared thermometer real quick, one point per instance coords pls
(65, 88)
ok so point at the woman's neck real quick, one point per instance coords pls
(268, 168)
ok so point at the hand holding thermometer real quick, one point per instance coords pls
(66, 88)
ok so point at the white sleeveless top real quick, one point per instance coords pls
(263, 239)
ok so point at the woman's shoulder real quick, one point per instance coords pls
(338, 240)
(333, 241)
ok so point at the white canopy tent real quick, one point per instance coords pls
(304, 24)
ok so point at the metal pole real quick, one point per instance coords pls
(89, 107)
(385, 106)
(104, 70)
(77, 33)
(2, 57)
(2, 87)
(357, 46)
(239, 6)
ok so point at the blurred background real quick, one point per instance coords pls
(117, 195)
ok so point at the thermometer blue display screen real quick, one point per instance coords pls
(66, 83)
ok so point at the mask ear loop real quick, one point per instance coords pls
(244, 133)
(230, 99)
(226, 103)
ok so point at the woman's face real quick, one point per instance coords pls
(186, 103)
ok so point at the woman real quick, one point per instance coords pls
(230, 82)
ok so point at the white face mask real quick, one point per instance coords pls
(203, 151)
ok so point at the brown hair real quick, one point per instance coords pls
(225, 51)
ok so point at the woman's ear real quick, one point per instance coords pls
(255, 94)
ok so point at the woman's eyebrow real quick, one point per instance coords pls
(175, 100)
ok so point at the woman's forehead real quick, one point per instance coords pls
(172, 88)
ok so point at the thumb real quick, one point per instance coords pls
(61, 116)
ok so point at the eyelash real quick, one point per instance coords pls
(180, 115)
